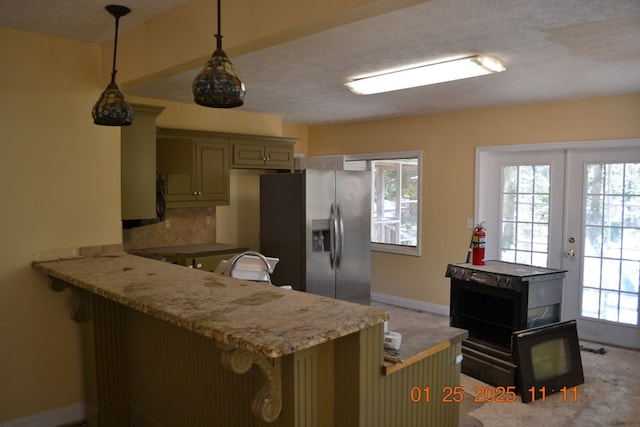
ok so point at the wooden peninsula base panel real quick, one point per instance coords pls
(169, 346)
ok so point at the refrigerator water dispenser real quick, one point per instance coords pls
(321, 235)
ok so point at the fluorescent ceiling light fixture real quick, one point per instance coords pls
(423, 75)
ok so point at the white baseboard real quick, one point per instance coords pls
(412, 304)
(56, 417)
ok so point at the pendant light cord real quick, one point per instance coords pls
(115, 50)
(219, 35)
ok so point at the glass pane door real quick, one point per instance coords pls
(582, 214)
(611, 262)
(524, 223)
(603, 245)
(522, 197)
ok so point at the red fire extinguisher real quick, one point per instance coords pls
(478, 245)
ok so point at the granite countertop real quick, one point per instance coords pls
(197, 250)
(421, 342)
(259, 318)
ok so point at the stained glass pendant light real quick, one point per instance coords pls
(111, 109)
(218, 85)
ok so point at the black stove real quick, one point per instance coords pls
(493, 302)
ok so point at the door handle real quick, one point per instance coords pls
(340, 235)
(570, 253)
(333, 225)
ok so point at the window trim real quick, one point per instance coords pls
(394, 155)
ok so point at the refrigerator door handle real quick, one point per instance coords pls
(340, 242)
(333, 231)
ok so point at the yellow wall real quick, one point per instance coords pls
(195, 117)
(448, 144)
(299, 132)
(60, 187)
(59, 183)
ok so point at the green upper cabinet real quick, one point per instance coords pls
(258, 152)
(195, 166)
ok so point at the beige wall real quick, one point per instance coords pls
(448, 144)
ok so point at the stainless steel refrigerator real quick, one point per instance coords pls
(318, 223)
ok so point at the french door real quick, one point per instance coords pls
(603, 248)
(573, 208)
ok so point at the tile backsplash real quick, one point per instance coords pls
(185, 226)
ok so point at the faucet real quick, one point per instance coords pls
(234, 260)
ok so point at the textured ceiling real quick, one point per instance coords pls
(552, 50)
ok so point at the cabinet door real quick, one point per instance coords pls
(212, 170)
(279, 156)
(210, 263)
(196, 170)
(175, 158)
(248, 154)
(179, 188)
(262, 154)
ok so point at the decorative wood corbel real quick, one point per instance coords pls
(79, 313)
(267, 403)
(57, 285)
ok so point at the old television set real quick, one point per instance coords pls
(549, 360)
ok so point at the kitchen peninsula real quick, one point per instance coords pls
(166, 345)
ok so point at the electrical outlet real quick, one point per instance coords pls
(469, 223)
(167, 224)
(208, 221)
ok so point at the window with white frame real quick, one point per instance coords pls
(395, 199)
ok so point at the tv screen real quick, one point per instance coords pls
(548, 360)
